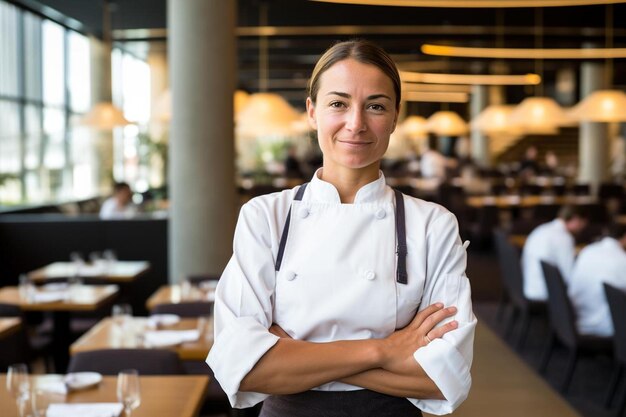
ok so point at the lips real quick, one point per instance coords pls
(354, 143)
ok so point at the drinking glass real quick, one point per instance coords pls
(18, 385)
(128, 390)
(25, 287)
(41, 399)
(121, 313)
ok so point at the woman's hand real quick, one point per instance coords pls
(398, 347)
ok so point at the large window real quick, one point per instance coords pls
(45, 86)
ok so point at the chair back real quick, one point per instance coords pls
(562, 317)
(10, 310)
(112, 361)
(617, 304)
(190, 309)
(510, 269)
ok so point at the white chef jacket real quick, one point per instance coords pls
(600, 262)
(552, 243)
(433, 164)
(337, 282)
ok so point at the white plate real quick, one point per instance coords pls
(82, 380)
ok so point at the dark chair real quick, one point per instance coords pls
(617, 305)
(563, 327)
(112, 361)
(198, 279)
(513, 284)
(190, 309)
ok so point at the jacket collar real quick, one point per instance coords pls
(325, 192)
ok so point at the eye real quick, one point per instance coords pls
(377, 107)
(336, 104)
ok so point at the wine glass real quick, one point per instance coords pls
(18, 385)
(128, 390)
(121, 313)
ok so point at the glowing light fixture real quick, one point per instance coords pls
(601, 106)
(538, 115)
(414, 127)
(446, 123)
(494, 121)
(470, 79)
(436, 96)
(266, 114)
(524, 53)
(104, 116)
(473, 3)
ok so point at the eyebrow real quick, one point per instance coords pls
(346, 95)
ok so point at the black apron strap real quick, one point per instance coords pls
(283, 238)
(401, 274)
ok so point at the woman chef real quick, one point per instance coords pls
(345, 298)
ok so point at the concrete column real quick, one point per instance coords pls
(202, 53)
(593, 153)
(480, 143)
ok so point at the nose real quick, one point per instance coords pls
(356, 120)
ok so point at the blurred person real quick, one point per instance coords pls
(293, 168)
(529, 167)
(434, 164)
(599, 263)
(120, 205)
(551, 166)
(552, 242)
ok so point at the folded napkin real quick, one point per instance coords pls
(49, 296)
(85, 410)
(158, 338)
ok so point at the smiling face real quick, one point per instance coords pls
(354, 114)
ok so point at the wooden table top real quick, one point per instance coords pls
(173, 294)
(509, 201)
(503, 385)
(105, 335)
(85, 298)
(161, 396)
(119, 271)
(8, 325)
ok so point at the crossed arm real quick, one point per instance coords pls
(383, 365)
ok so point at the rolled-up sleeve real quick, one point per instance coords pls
(243, 307)
(447, 361)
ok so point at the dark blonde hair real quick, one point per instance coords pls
(362, 51)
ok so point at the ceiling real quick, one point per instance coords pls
(306, 28)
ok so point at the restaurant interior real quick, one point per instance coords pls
(511, 110)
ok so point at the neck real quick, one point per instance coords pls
(348, 181)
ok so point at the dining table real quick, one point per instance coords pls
(181, 293)
(60, 302)
(114, 272)
(9, 325)
(108, 334)
(161, 396)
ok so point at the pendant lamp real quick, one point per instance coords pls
(414, 127)
(603, 105)
(538, 115)
(446, 123)
(494, 121)
(105, 115)
(266, 114)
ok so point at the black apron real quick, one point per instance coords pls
(357, 403)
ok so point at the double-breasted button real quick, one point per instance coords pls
(304, 212)
(290, 276)
(380, 214)
(370, 275)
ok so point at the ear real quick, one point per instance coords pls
(310, 111)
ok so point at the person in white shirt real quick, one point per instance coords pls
(344, 297)
(120, 205)
(432, 163)
(600, 262)
(552, 242)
